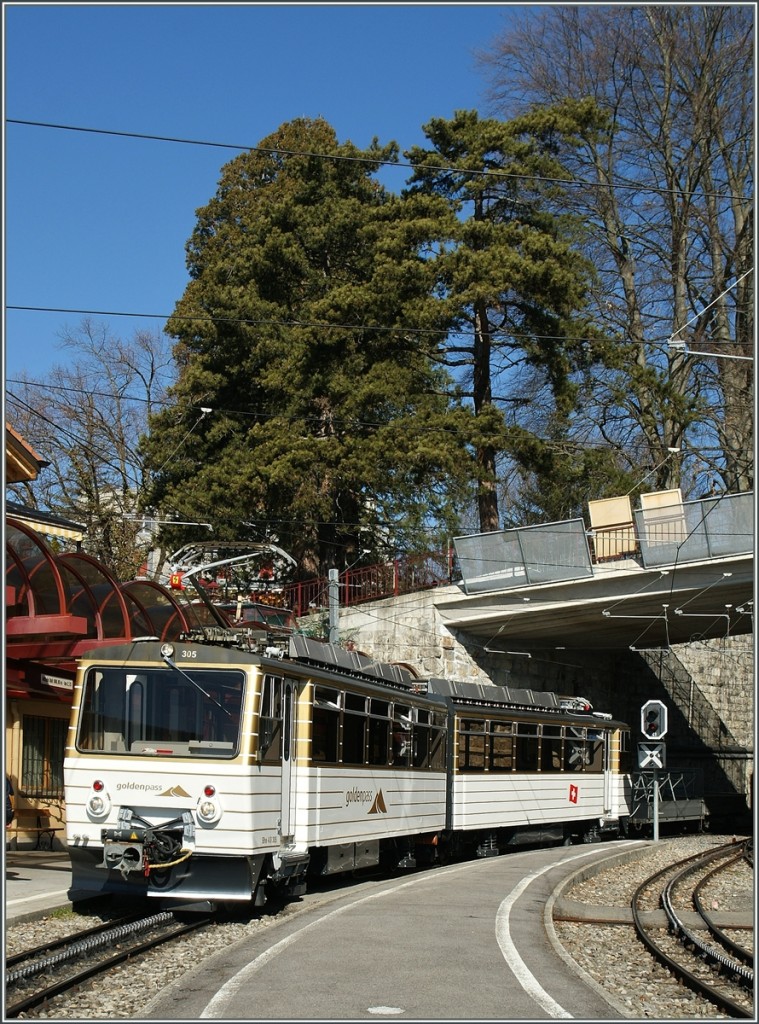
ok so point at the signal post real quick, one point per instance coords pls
(653, 725)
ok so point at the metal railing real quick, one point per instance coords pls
(550, 553)
(373, 582)
(671, 535)
(693, 531)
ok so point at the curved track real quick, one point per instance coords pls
(716, 972)
(735, 950)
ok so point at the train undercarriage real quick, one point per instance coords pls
(153, 864)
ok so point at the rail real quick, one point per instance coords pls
(709, 971)
(52, 964)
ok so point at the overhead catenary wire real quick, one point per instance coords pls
(203, 414)
(331, 326)
(682, 345)
(564, 445)
(378, 161)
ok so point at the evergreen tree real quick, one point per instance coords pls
(513, 285)
(331, 431)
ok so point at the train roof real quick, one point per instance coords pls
(331, 658)
(321, 654)
(490, 693)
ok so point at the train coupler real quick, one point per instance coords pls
(125, 857)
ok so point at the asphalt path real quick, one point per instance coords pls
(469, 941)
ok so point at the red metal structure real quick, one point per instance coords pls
(58, 606)
(401, 576)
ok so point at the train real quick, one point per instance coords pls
(231, 769)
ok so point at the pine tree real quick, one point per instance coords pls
(331, 430)
(514, 287)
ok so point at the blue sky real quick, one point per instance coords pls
(96, 222)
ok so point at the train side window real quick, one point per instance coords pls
(625, 753)
(354, 729)
(103, 712)
(595, 751)
(326, 725)
(551, 751)
(270, 721)
(472, 744)
(438, 739)
(379, 731)
(90, 736)
(527, 747)
(402, 735)
(422, 739)
(576, 754)
(501, 742)
(135, 708)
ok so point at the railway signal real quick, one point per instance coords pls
(653, 719)
(652, 755)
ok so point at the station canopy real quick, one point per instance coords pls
(58, 606)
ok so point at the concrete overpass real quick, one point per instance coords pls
(622, 605)
(687, 574)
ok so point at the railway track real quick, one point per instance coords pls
(36, 976)
(699, 953)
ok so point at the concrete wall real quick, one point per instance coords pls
(708, 686)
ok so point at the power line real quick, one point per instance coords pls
(86, 444)
(506, 175)
(86, 391)
(324, 325)
(566, 445)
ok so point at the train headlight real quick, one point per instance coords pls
(208, 809)
(99, 803)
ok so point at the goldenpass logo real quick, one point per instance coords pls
(364, 796)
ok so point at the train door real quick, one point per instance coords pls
(287, 806)
(608, 771)
(277, 740)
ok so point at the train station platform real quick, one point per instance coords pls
(36, 883)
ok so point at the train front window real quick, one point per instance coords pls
(159, 712)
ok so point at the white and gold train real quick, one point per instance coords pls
(199, 772)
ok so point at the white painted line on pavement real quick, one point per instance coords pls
(39, 896)
(215, 1008)
(503, 935)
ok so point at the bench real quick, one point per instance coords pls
(33, 821)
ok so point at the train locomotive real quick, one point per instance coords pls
(204, 773)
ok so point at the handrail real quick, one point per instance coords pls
(373, 582)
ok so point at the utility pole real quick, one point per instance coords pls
(334, 605)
